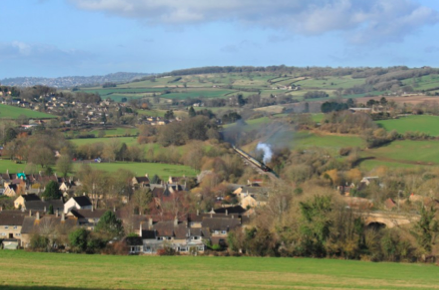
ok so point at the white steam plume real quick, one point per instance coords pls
(267, 151)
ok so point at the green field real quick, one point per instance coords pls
(407, 151)
(140, 168)
(82, 141)
(26, 270)
(330, 82)
(304, 139)
(423, 83)
(425, 124)
(12, 112)
(11, 166)
(195, 93)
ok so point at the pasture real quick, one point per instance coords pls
(409, 152)
(74, 271)
(420, 123)
(141, 168)
(12, 112)
(82, 141)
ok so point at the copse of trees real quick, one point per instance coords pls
(315, 95)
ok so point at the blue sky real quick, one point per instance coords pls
(51, 38)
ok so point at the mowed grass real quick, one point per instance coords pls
(425, 124)
(72, 271)
(12, 112)
(141, 168)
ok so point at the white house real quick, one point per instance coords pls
(77, 202)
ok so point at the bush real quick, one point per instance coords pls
(39, 243)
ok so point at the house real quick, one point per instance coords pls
(78, 202)
(87, 218)
(219, 227)
(174, 234)
(40, 205)
(54, 227)
(10, 224)
(19, 202)
(140, 181)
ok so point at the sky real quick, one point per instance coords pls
(54, 38)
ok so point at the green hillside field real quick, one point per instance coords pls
(73, 271)
(12, 112)
(421, 123)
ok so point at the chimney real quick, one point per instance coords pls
(233, 216)
(42, 198)
(146, 175)
(227, 212)
(57, 213)
(83, 194)
(7, 171)
(140, 230)
(38, 216)
(198, 212)
(114, 208)
(30, 212)
(45, 209)
(63, 217)
(175, 221)
(92, 208)
(150, 223)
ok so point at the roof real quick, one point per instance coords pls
(141, 179)
(11, 218)
(221, 223)
(39, 205)
(169, 229)
(88, 213)
(30, 197)
(82, 200)
(231, 210)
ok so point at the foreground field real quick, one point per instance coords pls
(71, 271)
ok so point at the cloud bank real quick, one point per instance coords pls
(359, 21)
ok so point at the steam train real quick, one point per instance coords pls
(261, 165)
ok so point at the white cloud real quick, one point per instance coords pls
(360, 21)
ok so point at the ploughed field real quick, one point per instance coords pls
(26, 270)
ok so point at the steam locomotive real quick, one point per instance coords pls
(261, 165)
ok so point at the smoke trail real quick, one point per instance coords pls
(267, 151)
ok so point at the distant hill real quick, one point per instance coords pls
(73, 81)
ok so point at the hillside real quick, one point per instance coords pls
(71, 81)
(277, 84)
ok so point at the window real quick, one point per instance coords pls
(15, 227)
(201, 248)
(6, 227)
(194, 238)
(224, 232)
(18, 234)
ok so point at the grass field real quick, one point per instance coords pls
(406, 151)
(26, 270)
(425, 124)
(11, 166)
(127, 140)
(140, 168)
(12, 112)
